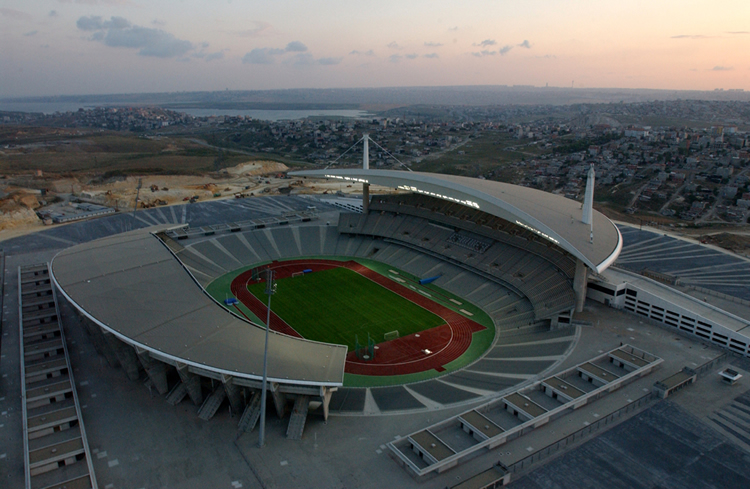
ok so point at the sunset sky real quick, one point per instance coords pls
(60, 47)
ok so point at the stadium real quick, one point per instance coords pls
(448, 295)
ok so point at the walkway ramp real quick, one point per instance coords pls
(177, 394)
(251, 414)
(212, 404)
(298, 419)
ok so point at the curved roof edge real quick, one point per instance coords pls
(280, 342)
(611, 258)
(552, 217)
(159, 353)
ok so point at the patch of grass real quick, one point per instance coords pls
(492, 151)
(109, 153)
(334, 305)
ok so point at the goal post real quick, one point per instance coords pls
(297, 274)
(391, 335)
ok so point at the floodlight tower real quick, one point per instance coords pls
(270, 290)
(366, 166)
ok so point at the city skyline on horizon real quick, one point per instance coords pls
(75, 47)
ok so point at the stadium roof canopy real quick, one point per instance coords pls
(550, 216)
(134, 287)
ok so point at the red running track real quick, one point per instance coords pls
(406, 355)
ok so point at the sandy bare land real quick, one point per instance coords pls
(253, 178)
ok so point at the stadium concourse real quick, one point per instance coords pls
(131, 288)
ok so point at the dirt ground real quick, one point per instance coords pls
(736, 243)
(19, 203)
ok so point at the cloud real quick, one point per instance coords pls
(411, 56)
(99, 2)
(395, 58)
(202, 54)
(259, 29)
(150, 42)
(54, 13)
(159, 22)
(486, 43)
(214, 56)
(722, 68)
(295, 47)
(433, 44)
(504, 50)
(691, 36)
(432, 55)
(261, 56)
(267, 56)
(738, 32)
(483, 53)
(307, 59)
(369, 52)
(454, 28)
(302, 59)
(92, 23)
(118, 32)
(14, 14)
(329, 61)
(393, 45)
(96, 23)
(525, 44)
(31, 33)
(547, 56)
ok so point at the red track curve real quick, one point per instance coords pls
(401, 356)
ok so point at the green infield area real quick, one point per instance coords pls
(334, 305)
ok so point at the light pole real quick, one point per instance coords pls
(270, 290)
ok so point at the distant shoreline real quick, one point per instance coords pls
(268, 112)
(367, 98)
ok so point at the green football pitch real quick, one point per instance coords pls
(334, 305)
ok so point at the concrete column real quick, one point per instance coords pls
(156, 370)
(365, 197)
(234, 394)
(580, 284)
(192, 382)
(125, 355)
(327, 393)
(100, 344)
(279, 400)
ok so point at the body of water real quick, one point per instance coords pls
(44, 107)
(277, 115)
(266, 115)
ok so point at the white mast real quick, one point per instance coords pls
(366, 166)
(588, 202)
(366, 152)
